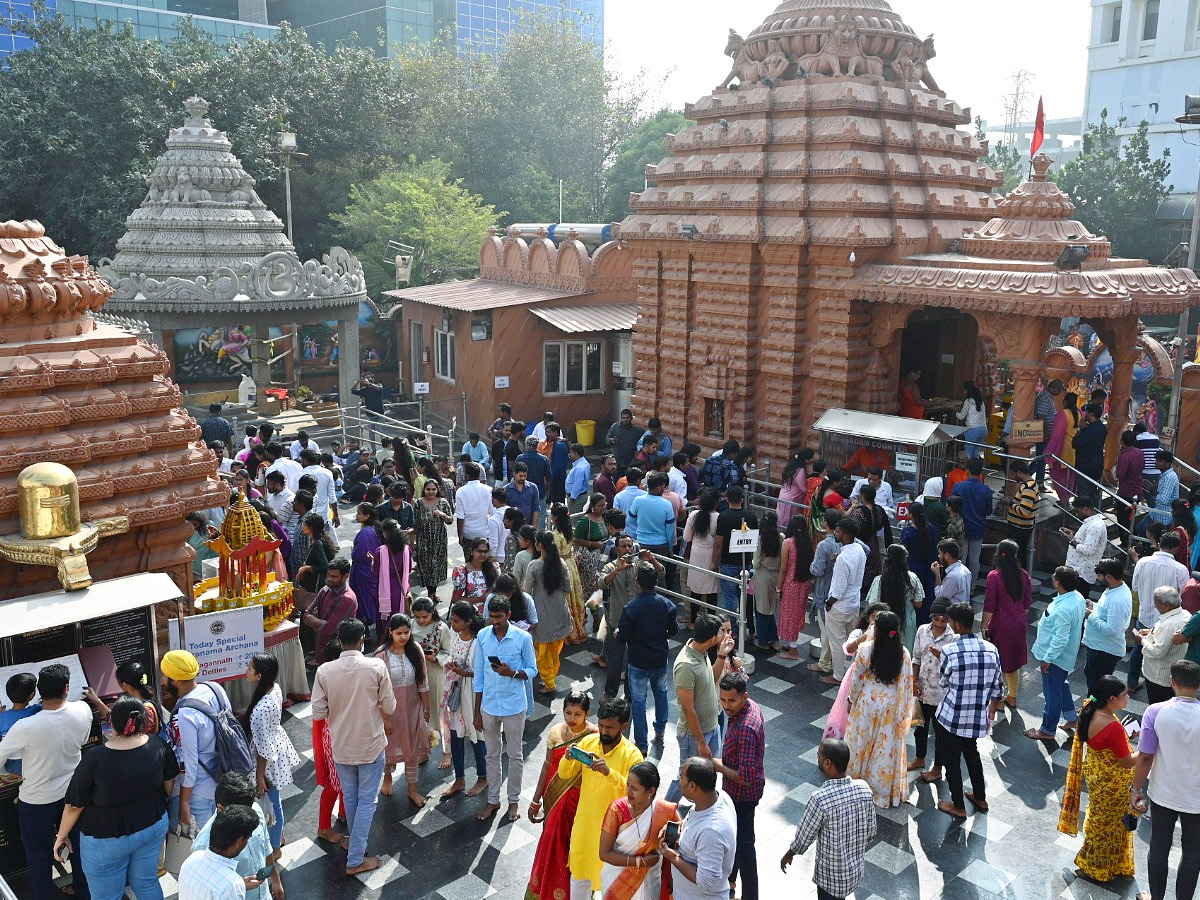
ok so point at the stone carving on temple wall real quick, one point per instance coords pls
(747, 71)
(842, 53)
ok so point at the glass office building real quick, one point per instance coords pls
(375, 23)
(150, 18)
(486, 22)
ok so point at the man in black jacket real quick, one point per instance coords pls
(1089, 452)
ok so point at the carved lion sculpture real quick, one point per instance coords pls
(911, 63)
(750, 71)
(186, 192)
(842, 53)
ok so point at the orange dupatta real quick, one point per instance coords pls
(627, 883)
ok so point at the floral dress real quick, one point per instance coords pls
(471, 584)
(431, 552)
(575, 598)
(878, 727)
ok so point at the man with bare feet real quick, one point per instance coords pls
(354, 693)
(504, 661)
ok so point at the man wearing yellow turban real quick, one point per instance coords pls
(193, 736)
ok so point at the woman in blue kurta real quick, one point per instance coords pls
(362, 580)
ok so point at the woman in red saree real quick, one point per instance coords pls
(555, 801)
(633, 868)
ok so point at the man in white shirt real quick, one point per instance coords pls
(841, 606)
(1167, 747)
(279, 499)
(48, 744)
(884, 498)
(952, 580)
(539, 430)
(280, 463)
(678, 481)
(326, 497)
(1088, 542)
(704, 858)
(472, 505)
(304, 442)
(497, 534)
(1160, 569)
(1157, 644)
(212, 874)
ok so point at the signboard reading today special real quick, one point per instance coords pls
(222, 642)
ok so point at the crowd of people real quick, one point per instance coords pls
(645, 548)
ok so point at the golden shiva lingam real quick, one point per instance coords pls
(52, 530)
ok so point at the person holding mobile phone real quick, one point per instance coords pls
(704, 857)
(207, 873)
(236, 791)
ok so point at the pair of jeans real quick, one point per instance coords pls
(1021, 537)
(766, 629)
(360, 794)
(39, 825)
(111, 863)
(1162, 836)
(458, 754)
(276, 830)
(1096, 665)
(1059, 702)
(730, 591)
(745, 859)
(921, 733)
(1135, 660)
(970, 559)
(640, 682)
(203, 809)
(687, 749)
(976, 436)
(951, 748)
(513, 728)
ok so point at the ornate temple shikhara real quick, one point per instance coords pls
(826, 223)
(245, 575)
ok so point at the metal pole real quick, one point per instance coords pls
(1185, 323)
(744, 595)
(560, 199)
(421, 412)
(287, 190)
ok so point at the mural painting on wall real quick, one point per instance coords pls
(219, 353)
(1083, 338)
(319, 343)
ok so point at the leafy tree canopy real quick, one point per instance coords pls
(421, 205)
(647, 145)
(1117, 187)
(1006, 160)
(86, 112)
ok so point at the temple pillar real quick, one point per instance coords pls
(260, 357)
(348, 359)
(1187, 436)
(1025, 376)
(1120, 401)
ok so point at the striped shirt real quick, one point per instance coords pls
(1044, 409)
(1022, 509)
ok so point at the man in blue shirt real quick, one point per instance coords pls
(536, 466)
(647, 621)
(625, 498)
(654, 429)
(1106, 623)
(558, 454)
(1059, 632)
(504, 661)
(524, 494)
(977, 502)
(579, 480)
(477, 450)
(651, 518)
(20, 690)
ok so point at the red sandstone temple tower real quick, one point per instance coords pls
(835, 149)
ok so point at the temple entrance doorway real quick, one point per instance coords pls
(942, 343)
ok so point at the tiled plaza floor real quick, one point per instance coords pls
(442, 853)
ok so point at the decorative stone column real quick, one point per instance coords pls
(1025, 375)
(1124, 358)
(348, 359)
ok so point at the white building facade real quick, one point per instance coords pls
(1143, 58)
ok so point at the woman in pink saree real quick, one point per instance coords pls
(1066, 424)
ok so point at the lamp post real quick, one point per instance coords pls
(1191, 116)
(287, 149)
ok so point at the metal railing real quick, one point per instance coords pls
(6, 892)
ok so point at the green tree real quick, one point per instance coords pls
(422, 205)
(1117, 187)
(646, 146)
(1006, 160)
(514, 122)
(86, 111)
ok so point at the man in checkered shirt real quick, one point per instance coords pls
(840, 817)
(970, 670)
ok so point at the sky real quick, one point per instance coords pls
(678, 44)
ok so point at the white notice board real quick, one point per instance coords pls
(743, 541)
(78, 679)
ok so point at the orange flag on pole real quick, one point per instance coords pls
(1039, 131)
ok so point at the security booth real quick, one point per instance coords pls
(908, 450)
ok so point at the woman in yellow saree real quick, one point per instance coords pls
(1107, 850)
(555, 801)
(560, 520)
(633, 868)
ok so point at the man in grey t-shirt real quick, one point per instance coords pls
(708, 839)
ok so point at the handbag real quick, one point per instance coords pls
(454, 696)
(176, 851)
(917, 716)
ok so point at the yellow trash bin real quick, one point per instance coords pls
(585, 432)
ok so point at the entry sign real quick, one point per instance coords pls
(1027, 431)
(743, 541)
(906, 462)
(420, 387)
(222, 642)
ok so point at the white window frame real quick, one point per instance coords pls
(596, 388)
(1112, 16)
(1145, 10)
(443, 371)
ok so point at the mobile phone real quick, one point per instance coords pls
(494, 660)
(264, 873)
(582, 756)
(671, 838)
